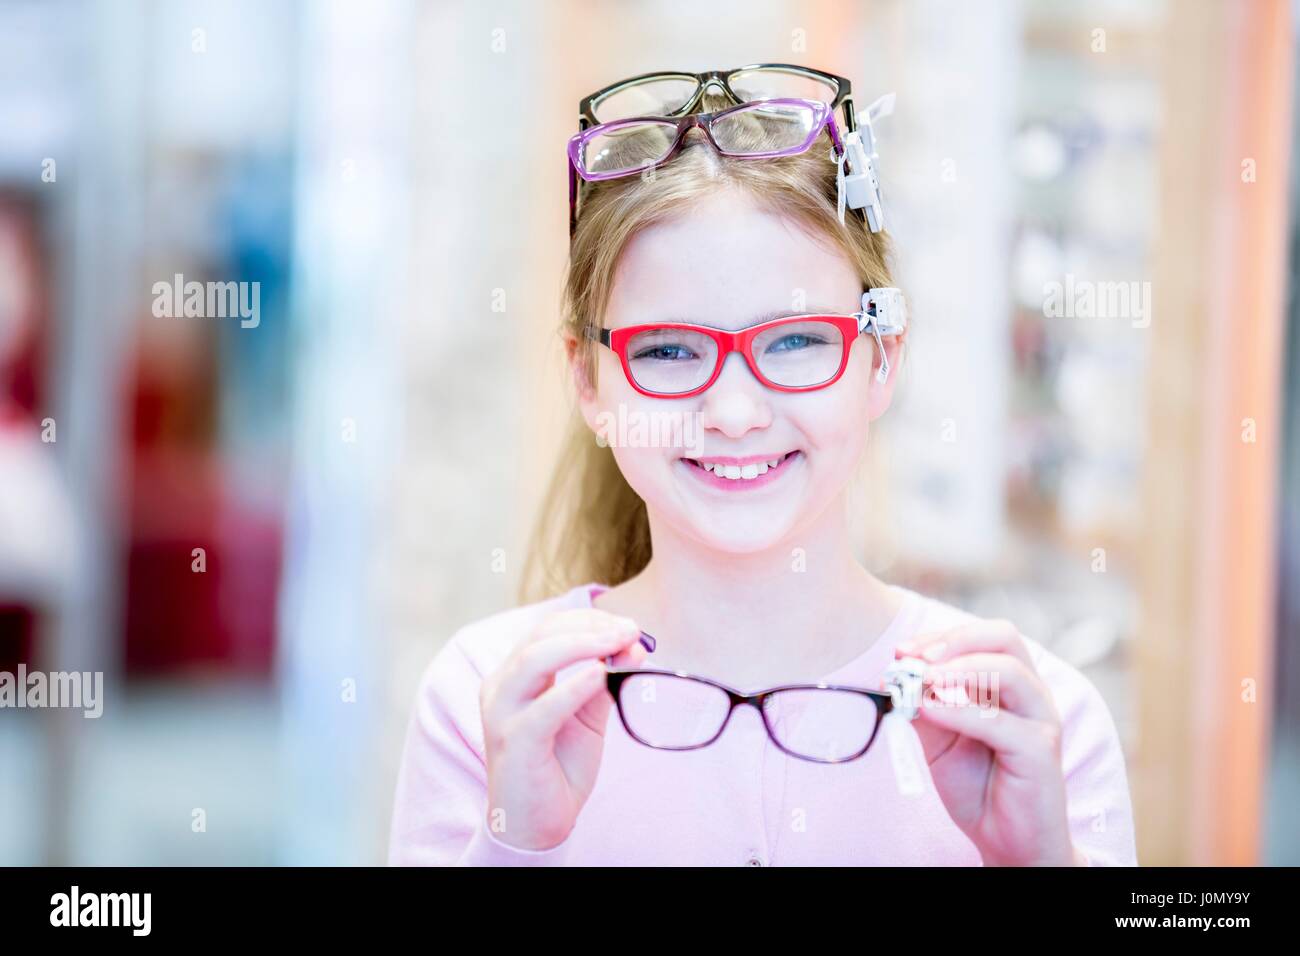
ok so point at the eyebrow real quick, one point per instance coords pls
(765, 317)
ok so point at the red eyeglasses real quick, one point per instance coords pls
(796, 353)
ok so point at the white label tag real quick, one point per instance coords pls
(904, 753)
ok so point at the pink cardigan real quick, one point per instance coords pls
(739, 801)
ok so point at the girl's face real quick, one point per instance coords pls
(729, 264)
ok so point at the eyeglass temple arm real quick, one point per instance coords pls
(573, 198)
(833, 129)
(850, 113)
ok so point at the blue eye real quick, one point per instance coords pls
(795, 341)
(666, 353)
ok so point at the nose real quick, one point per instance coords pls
(737, 401)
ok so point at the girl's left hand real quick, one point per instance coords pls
(996, 763)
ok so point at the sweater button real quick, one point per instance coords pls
(754, 861)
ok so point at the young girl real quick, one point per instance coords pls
(735, 555)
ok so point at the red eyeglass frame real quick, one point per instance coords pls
(741, 341)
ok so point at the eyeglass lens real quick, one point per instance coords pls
(760, 128)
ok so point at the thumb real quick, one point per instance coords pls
(595, 713)
(935, 740)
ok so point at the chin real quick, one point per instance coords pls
(738, 533)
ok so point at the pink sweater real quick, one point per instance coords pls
(739, 801)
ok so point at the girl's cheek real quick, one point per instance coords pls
(838, 421)
(644, 468)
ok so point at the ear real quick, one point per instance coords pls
(584, 391)
(882, 394)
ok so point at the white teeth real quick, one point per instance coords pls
(740, 472)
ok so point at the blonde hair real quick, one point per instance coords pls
(592, 526)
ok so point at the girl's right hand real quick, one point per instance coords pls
(543, 739)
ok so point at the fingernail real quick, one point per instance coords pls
(955, 695)
(935, 651)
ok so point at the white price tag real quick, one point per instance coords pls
(905, 754)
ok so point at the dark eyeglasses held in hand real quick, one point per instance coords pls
(822, 723)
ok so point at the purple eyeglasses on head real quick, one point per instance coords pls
(762, 129)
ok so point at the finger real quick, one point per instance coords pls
(998, 636)
(543, 718)
(634, 655)
(997, 681)
(532, 668)
(581, 619)
(1023, 747)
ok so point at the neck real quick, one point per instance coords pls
(791, 612)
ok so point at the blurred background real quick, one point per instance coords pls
(260, 532)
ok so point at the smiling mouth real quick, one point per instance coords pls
(741, 473)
